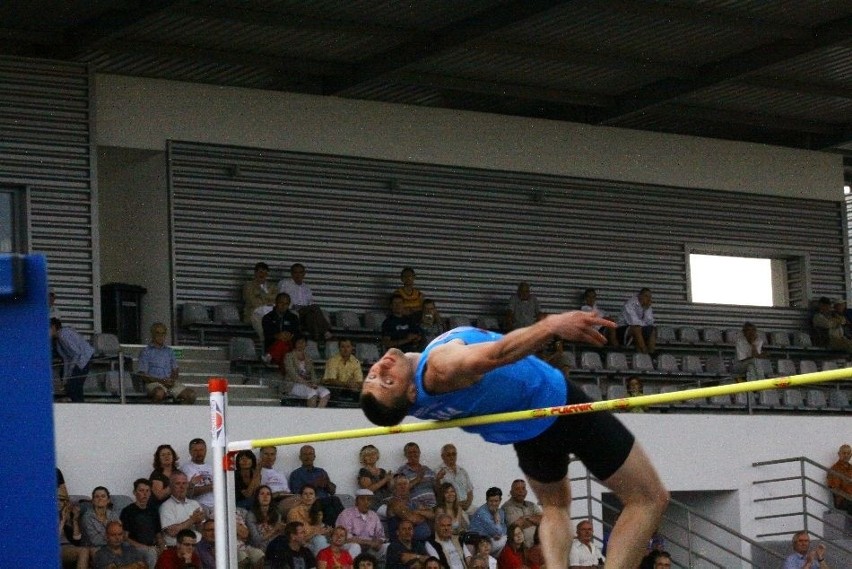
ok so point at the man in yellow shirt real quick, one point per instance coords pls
(343, 369)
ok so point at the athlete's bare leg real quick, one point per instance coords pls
(644, 498)
(555, 527)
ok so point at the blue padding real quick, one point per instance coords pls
(28, 514)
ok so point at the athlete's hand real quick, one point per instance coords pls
(579, 326)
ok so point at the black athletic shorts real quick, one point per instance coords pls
(598, 439)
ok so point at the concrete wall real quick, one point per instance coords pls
(144, 113)
(706, 457)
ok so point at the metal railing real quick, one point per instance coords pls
(695, 547)
(808, 492)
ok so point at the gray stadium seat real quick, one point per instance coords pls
(779, 339)
(105, 345)
(731, 335)
(665, 334)
(456, 321)
(807, 366)
(591, 361)
(667, 363)
(312, 349)
(829, 365)
(616, 361)
(713, 336)
(226, 313)
(488, 323)
(593, 391)
(367, 353)
(716, 365)
(692, 364)
(786, 367)
(689, 335)
(347, 320)
(642, 363)
(373, 320)
(241, 350)
(768, 399)
(815, 399)
(792, 398)
(838, 399)
(194, 313)
(616, 391)
(801, 339)
(332, 348)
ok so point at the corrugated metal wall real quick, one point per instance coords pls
(472, 235)
(46, 148)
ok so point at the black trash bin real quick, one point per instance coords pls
(121, 311)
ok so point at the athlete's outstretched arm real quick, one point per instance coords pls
(455, 365)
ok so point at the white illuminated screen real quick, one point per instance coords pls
(731, 280)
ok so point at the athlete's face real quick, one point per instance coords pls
(390, 377)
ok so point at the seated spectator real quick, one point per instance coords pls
(399, 330)
(76, 354)
(522, 512)
(246, 478)
(402, 508)
(584, 552)
(280, 326)
(314, 322)
(448, 503)
(523, 308)
(482, 551)
(479, 561)
(258, 298)
(840, 480)
(636, 323)
(657, 560)
(70, 534)
(445, 546)
(309, 512)
(366, 561)
(590, 304)
(420, 477)
(335, 556)
(412, 299)
(141, 521)
(54, 311)
(277, 479)
(841, 310)
(300, 373)
(288, 551)
(450, 471)
(322, 484)
(96, 518)
(343, 369)
(749, 353)
(514, 555)
(179, 513)
(117, 553)
(634, 389)
(248, 557)
(158, 368)
(165, 464)
(363, 526)
(371, 477)
(489, 520)
(828, 327)
(183, 554)
(405, 549)
(200, 474)
(264, 521)
(206, 546)
(553, 353)
(431, 323)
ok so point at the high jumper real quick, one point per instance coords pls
(467, 372)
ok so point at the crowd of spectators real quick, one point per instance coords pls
(412, 517)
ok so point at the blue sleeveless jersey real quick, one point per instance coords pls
(528, 383)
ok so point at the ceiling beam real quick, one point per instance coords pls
(106, 25)
(442, 40)
(499, 88)
(833, 33)
(792, 85)
(764, 121)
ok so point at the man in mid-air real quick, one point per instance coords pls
(469, 372)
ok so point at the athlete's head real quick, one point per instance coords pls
(389, 389)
